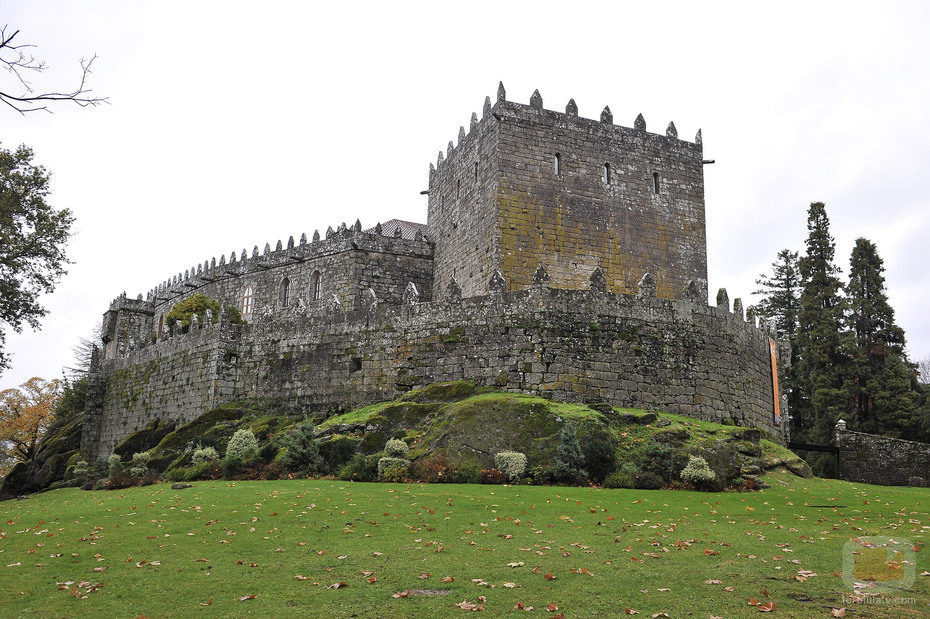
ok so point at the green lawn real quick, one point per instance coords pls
(160, 552)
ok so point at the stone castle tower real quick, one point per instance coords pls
(527, 186)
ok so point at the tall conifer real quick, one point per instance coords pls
(822, 349)
(882, 384)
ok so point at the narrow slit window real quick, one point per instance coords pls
(285, 292)
(607, 173)
(476, 171)
(655, 182)
(315, 283)
(558, 164)
(247, 301)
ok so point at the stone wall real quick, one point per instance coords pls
(574, 345)
(874, 459)
(528, 186)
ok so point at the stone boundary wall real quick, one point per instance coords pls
(573, 345)
(875, 459)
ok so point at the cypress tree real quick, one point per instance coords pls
(781, 302)
(883, 395)
(822, 347)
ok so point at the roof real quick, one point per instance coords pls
(408, 229)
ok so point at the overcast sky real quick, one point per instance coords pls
(234, 124)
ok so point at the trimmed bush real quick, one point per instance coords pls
(492, 476)
(569, 461)
(392, 469)
(140, 464)
(698, 472)
(510, 463)
(360, 468)
(396, 448)
(302, 454)
(623, 477)
(599, 457)
(82, 471)
(242, 447)
(204, 454)
(114, 466)
(648, 480)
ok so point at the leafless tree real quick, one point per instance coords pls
(923, 370)
(17, 60)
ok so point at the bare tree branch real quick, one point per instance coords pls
(17, 62)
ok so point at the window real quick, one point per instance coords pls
(247, 301)
(355, 365)
(285, 291)
(315, 281)
(655, 182)
(607, 173)
(558, 164)
(161, 326)
(476, 171)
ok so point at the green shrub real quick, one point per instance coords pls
(465, 474)
(698, 472)
(360, 468)
(392, 469)
(647, 480)
(396, 448)
(510, 463)
(82, 471)
(139, 465)
(194, 304)
(242, 447)
(337, 451)
(569, 461)
(541, 474)
(663, 460)
(303, 452)
(623, 477)
(599, 457)
(492, 476)
(204, 454)
(114, 466)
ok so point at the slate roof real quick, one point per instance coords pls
(408, 229)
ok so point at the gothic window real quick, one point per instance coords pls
(655, 182)
(315, 282)
(607, 173)
(558, 164)
(285, 291)
(247, 301)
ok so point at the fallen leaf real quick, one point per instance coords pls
(754, 602)
(515, 564)
(551, 607)
(373, 579)
(711, 581)
(299, 577)
(424, 575)
(446, 579)
(838, 612)
(337, 585)
(708, 552)
(549, 576)
(401, 594)
(243, 598)
(630, 611)
(511, 585)
(728, 588)
(207, 603)
(768, 607)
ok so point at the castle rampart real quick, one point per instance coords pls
(574, 345)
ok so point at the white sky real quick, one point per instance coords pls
(234, 124)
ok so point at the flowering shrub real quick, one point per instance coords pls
(510, 463)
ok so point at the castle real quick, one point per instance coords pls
(561, 255)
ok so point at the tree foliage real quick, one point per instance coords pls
(26, 412)
(823, 349)
(32, 241)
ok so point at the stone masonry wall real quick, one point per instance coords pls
(874, 459)
(574, 345)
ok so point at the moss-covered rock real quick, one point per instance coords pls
(144, 439)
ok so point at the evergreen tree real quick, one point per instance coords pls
(878, 339)
(782, 302)
(569, 459)
(822, 343)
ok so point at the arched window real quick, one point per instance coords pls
(655, 182)
(315, 282)
(607, 173)
(558, 164)
(247, 301)
(285, 291)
